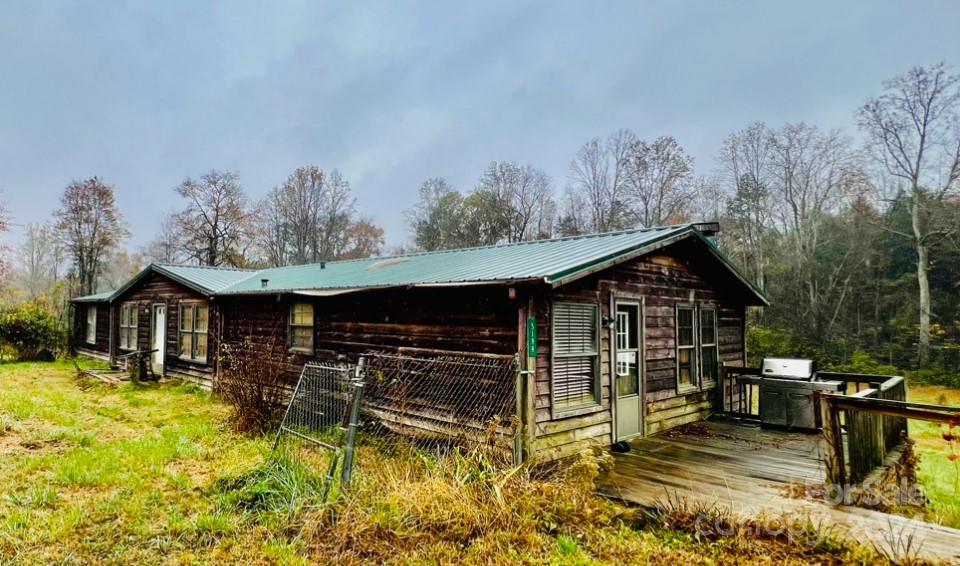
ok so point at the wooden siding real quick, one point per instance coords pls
(101, 345)
(159, 289)
(677, 274)
(466, 319)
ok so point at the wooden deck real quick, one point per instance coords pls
(753, 471)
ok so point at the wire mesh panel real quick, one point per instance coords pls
(319, 404)
(450, 400)
(324, 410)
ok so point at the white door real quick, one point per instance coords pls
(159, 340)
(628, 369)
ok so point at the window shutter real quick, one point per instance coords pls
(574, 348)
(575, 329)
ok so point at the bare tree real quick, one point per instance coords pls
(213, 223)
(914, 134)
(807, 171)
(661, 175)
(4, 227)
(90, 226)
(524, 195)
(41, 256)
(436, 219)
(308, 218)
(363, 239)
(167, 246)
(598, 183)
(744, 164)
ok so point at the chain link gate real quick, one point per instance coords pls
(324, 410)
(435, 402)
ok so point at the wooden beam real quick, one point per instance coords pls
(833, 439)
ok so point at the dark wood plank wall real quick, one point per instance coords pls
(466, 319)
(156, 288)
(677, 274)
(101, 344)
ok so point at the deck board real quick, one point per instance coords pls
(748, 469)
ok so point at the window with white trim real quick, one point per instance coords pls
(709, 362)
(576, 356)
(91, 329)
(686, 347)
(301, 327)
(193, 331)
(128, 326)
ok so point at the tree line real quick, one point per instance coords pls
(855, 241)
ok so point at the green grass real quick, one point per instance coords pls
(151, 474)
(939, 476)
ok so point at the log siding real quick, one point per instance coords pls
(674, 276)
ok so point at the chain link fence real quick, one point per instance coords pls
(401, 402)
(441, 402)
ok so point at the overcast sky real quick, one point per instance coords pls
(393, 93)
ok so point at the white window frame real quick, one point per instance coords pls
(193, 308)
(594, 355)
(694, 384)
(91, 328)
(291, 326)
(129, 319)
(705, 382)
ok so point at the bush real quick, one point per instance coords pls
(769, 342)
(935, 376)
(253, 381)
(30, 333)
(862, 362)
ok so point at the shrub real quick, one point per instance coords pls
(862, 362)
(30, 333)
(935, 376)
(253, 381)
(769, 342)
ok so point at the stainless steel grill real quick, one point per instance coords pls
(788, 392)
(788, 368)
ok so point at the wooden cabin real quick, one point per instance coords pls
(165, 310)
(622, 334)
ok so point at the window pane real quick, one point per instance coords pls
(628, 382)
(302, 314)
(201, 319)
(709, 362)
(186, 344)
(186, 317)
(685, 326)
(708, 326)
(201, 346)
(301, 337)
(685, 366)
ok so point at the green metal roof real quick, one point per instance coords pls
(94, 298)
(209, 280)
(556, 262)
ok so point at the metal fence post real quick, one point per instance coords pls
(356, 389)
(519, 419)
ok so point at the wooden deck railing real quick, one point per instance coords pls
(861, 429)
(738, 398)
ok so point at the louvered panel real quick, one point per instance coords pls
(574, 328)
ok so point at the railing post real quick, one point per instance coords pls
(833, 440)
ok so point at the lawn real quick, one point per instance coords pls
(153, 474)
(939, 476)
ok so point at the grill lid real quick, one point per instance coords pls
(787, 368)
